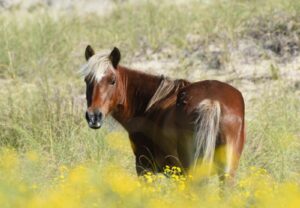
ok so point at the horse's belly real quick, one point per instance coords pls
(174, 141)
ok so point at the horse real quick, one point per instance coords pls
(169, 122)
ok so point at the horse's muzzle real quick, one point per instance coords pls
(94, 119)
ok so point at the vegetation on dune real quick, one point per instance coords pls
(49, 157)
(33, 43)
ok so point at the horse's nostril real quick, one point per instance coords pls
(87, 117)
(99, 116)
(90, 117)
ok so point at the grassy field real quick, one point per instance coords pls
(49, 156)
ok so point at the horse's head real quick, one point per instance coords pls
(101, 77)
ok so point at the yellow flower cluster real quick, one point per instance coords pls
(93, 185)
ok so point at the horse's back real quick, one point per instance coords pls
(229, 97)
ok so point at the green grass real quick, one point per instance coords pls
(273, 133)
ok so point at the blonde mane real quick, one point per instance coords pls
(165, 87)
(96, 66)
(166, 93)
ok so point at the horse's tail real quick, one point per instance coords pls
(206, 131)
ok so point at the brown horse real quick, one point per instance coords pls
(169, 122)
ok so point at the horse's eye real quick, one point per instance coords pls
(113, 81)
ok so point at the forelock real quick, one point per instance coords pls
(96, 66)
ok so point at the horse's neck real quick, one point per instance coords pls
(139, 88)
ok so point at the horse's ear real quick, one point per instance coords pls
(115, 57)
(89, 52)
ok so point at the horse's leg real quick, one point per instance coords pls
(143, 150)
(228, 154)
(220, 157)
(173, 160)
(144, 164)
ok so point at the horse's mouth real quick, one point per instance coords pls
(96, 125)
